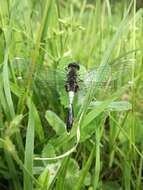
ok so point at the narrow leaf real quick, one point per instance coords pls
(29, 147)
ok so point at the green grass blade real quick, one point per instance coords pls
(97, 162)
(8, 149)
(13, 171)
(97, 110)
(7, 88)
(38, 125)
(79, 184)
(29, 148)
(62, 174)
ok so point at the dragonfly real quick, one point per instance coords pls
(73, 78)
(71, 87)
(72, 84)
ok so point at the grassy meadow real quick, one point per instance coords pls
(104, 150)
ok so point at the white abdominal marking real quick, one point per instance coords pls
(71, 97)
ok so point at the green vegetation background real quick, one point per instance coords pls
(105, 147)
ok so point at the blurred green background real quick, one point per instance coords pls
(105, 149)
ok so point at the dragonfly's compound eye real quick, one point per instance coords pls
(77, 66)
(74, 65)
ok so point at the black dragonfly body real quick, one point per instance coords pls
(71, 87)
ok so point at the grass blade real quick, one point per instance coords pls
(85, 170)
(29, 148)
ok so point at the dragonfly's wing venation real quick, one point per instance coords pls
(99, 76)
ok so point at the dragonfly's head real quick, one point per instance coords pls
(73, 65)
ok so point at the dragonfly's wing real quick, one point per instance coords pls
(42, 73)
(109, 70)
(51, 84)
(46, 77)
(50, 78)
(106, 74)
(104, 80)
(93, 76)
(99, 78)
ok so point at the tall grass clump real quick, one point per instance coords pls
(105, 149)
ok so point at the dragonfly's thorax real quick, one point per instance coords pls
(72, 78)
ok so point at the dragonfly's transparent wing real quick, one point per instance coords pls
(100, 76)
(104, 76)
(47, 80)
(93, 76)
(50, 78)
(109, 70)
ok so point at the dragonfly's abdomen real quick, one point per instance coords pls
(70, 117)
